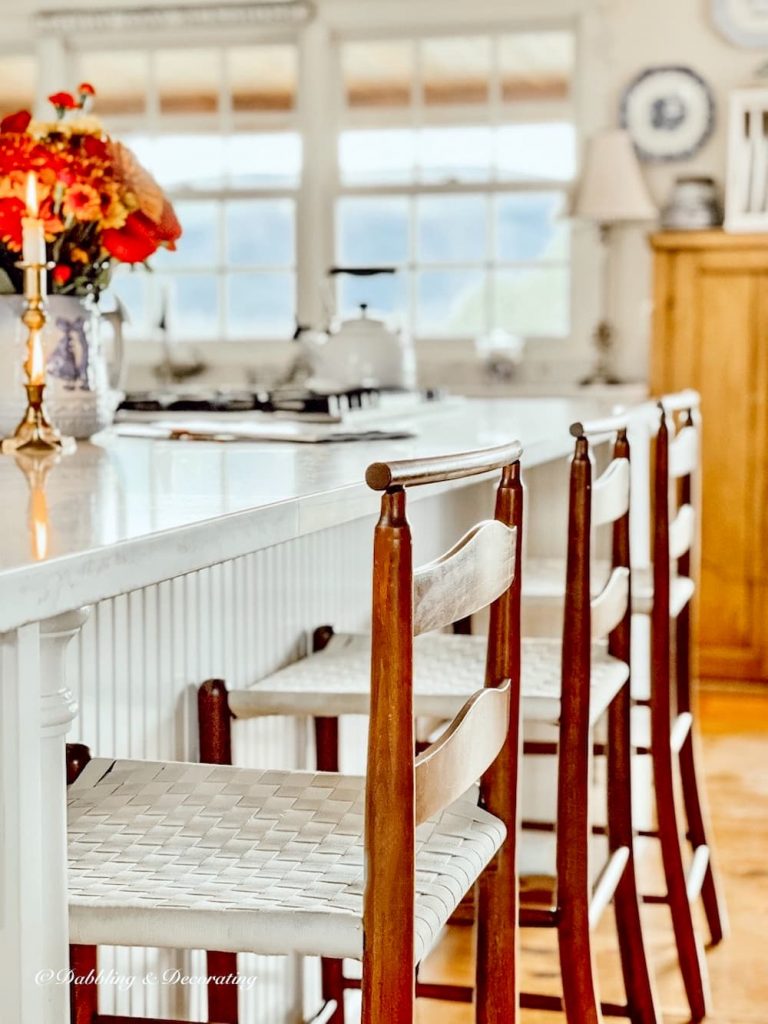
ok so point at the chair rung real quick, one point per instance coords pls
(554, 1004)
(697, 872)
(615, 1010)
(538, 748)
(539, 1001)
(680, 731)
(325, 1014)
(537, 826)
(606, 885)
(538, 917)
(641, 702)
(104, 1018)
(449, 993)
(655, 900)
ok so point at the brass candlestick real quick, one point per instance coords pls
(35, 432)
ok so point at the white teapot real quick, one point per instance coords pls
(363, 352)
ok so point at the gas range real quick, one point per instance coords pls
(354, 404)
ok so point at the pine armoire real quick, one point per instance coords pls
(710, 332)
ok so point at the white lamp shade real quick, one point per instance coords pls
(612, 189)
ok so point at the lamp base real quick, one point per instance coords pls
(602, 373)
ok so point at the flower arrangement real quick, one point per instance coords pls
(98, 204)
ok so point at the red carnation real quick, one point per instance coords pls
(86, 89)
(61, 274)
(18, 122)
(134, 242)
(63, 101)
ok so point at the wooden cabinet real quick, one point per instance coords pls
(711, 333)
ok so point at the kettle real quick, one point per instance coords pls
(361, 352)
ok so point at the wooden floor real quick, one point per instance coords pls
(734, 727)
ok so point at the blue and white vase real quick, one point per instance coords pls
(83, 385)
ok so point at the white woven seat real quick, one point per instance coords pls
(544, 580)
(194, 856)
(448, 669)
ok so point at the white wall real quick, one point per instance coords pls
(637, 34)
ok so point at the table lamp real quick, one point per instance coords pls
(611, 191)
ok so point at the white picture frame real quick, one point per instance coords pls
(746, 189)
(743, 22)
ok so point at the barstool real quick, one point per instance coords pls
(568, 685)
(664, 591)
(192, 856)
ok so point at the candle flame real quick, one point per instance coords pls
(32, 205)
(36, 359)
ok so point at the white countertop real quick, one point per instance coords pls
(125, 512)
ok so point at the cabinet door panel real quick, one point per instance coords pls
(711, 333)
(727, 311)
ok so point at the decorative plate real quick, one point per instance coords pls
(744, 22)
(669, 112)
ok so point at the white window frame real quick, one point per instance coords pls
(496, 113)
(318, 121)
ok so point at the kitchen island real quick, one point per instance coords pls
(134, 570)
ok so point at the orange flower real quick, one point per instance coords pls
(82, 202)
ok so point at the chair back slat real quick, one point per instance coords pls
(610, 606)
(610, 493)
(682, 531)
(462, 754)
(683, 453)
(466, 579)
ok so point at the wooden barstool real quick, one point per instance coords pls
(568, 684)
(191, 856)
(671, 707)
(664, 591)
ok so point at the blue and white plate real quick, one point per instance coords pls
(669, 112)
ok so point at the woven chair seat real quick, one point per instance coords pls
(448, 669)
(192, 856)
(544, 580)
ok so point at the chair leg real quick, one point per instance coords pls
(689, 952)
(331, 971)
(222, 995)
(580, 1001)
(695, 812)
(215, 728)
(84, 995)
(638, 984)
(497, 900)
(83, 960)
(714, 905)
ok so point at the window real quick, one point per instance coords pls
(216, 127)
(18, 77)
(455, 158)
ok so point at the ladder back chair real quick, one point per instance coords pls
(332, 681)
(567, 899)
(663, 591)
(674, 534)
(192, 856)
